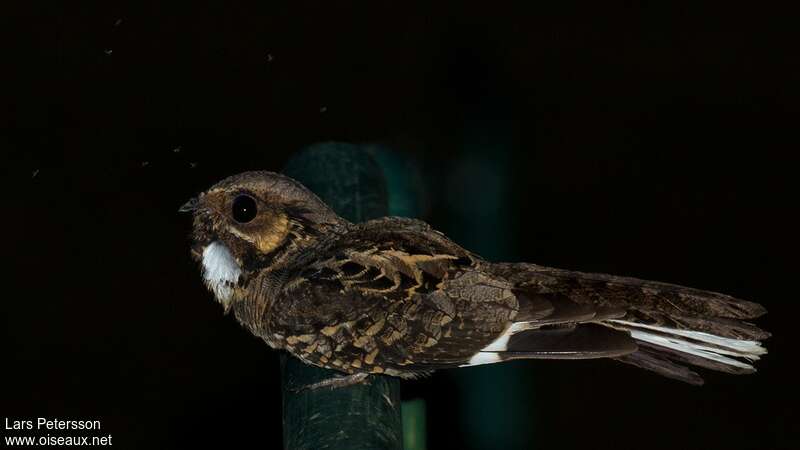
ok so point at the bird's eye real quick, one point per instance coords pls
(244, 209)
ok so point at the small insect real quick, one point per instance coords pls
(394, 296)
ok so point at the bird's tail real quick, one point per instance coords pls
(673, 327)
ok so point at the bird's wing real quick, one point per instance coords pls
(394, 296)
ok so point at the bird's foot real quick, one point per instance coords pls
(333, 383)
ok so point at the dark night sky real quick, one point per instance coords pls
(653, 141)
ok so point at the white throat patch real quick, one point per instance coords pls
(220, 271)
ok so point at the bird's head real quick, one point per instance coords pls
(250, 223)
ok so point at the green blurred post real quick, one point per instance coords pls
(414, 432)
(366, 415)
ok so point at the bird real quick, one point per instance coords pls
(393, 296)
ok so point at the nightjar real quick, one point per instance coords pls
(395, 297)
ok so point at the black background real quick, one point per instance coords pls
(655, 141)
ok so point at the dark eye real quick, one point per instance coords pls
(244, 209)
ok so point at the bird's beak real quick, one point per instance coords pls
(189, 206)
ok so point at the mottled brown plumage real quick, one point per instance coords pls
(394, 296)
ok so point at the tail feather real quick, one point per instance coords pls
(723, 345)
(729, 328)
(651, 359)
(673, 326)
(701, 348)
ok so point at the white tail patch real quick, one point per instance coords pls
(750, 350)
(487, 356)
